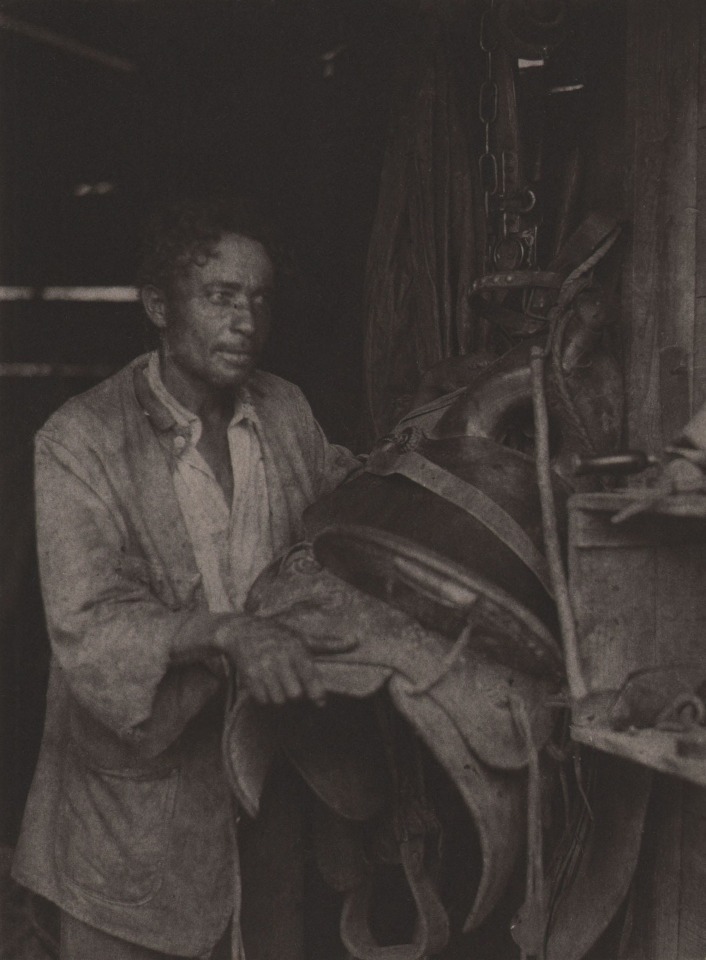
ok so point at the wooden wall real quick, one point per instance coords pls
(699, 394)
(664, 293)
(664, 309)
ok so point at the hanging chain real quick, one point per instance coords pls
(511, 237)
(488, 112)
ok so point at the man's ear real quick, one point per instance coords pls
(155, 304)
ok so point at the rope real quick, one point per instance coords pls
(576, 281)
(568, 859)
(555, 344)
(447, 662)
(552, 547)
(566, 294)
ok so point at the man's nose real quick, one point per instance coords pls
(242, 315)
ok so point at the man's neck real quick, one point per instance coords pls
(209, 405)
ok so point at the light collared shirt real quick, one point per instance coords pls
(233, 541)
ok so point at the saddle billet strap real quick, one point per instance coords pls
(431, 930)
(411, 828)
(476, 503)
(529, 927)
(587, 244)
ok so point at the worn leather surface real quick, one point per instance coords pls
(459, 706)
(442, 595)
(397, 505)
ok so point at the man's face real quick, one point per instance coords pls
(217, 316)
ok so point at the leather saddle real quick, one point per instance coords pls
(401, 697)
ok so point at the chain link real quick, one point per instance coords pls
(488, 109)
(511, 239)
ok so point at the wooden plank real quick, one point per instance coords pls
(656, 749)
(680, 604)
(665, 307)
(666, 875)
(659, 288)
(670, 919)
(643, 169)
(691, 506)
(692, 916)
(655, 924)
(638, 589)
(615, 621)
(675, 364)
(680, 192)
(699, 372)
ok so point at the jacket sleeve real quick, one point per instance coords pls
(330, 463)
(114, 639)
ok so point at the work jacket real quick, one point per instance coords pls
(129, 825)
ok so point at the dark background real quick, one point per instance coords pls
(225, 96)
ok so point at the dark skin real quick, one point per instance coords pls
(213, 447)
(213, 323)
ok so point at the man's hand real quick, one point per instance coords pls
(272, 661)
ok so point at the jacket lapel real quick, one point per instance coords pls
(284, 486)
(149, 432)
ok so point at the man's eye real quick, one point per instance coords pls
(219, 297)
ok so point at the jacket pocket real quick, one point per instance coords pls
(113, 830)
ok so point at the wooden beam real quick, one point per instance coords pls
(67, 44)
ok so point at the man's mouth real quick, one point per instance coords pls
(235, 354)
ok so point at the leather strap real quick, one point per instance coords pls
(584, 241)
(431, 932)
(517, 324)
(592, 238)
(469, 498)
(518, 279)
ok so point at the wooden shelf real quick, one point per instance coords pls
(657, 749)
(690, 505)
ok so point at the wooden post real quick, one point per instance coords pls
(663, 361)
(700, 314)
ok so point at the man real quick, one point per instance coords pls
(161, 494)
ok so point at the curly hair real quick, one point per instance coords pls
(183, 231)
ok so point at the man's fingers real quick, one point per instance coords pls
(310, 679)
(290, 680)
(257, 690)
(280, 669)
(315, 691)
(294, 677)
(276, 692)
